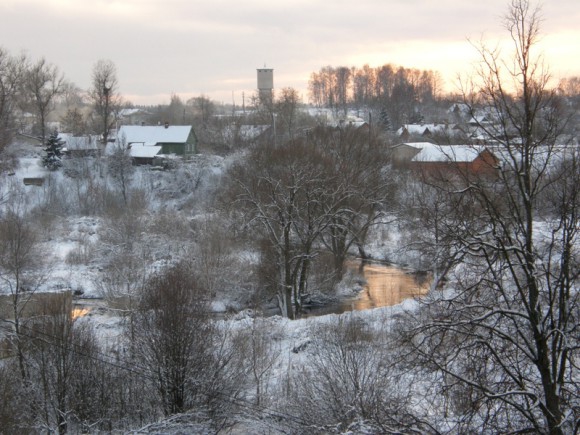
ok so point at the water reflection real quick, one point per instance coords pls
(385, 286)
(79, 312)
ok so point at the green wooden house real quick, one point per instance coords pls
(173, 139)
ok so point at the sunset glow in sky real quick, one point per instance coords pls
(213, 47)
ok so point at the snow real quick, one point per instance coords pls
(421, 129)
(294, 341)
(31, 167)
(144, 151)
(154, 134)
(447, 153)
(249, 132)
(78, 142)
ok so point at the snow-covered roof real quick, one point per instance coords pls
(459, 107)
(78, 142)
(154, 134)
(144, 151)
(357, 123)
(131, 111)
(480, 120)
(31, 167)
(420, 129)
(418, 145)
(447, 153)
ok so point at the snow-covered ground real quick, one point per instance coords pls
(79, 248)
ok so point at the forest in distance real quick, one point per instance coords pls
(177, 256)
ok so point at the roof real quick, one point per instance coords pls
(132, 111)
(460, 107)
(447, 153)
(420, 129)
(418, 145)
(154, 134)
(78, 142)
(144, 151)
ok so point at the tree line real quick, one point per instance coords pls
(400, 90)
(36, 86)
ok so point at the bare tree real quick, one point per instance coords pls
(349, 381)
(175, 112)
(171, 337)
(261, 356)
(43, 83)
(433, 220)
(13, 403)
(203, 107)
(282, 191)
(362, 192)
(51, 364)
(104, 96)
(120, 167)
(213, 256)
(508, 333)
(20, 269)
(122, 283)
(364, 83)
(286, 109)
(11, 74)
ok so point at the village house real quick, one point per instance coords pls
(144, 154)
(409, 131)
(79, 146)
(173, 139)
(431, 160)
(133, 116)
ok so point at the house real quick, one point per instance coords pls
(432, 160)
(133, 116)
(79, 146)
(460, 109)
(173, 139)
(403, 153)
(408, 131)
(144, 154)
(33, 306)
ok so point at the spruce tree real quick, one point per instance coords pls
(385, 120)
(53, 150)
(417, 117)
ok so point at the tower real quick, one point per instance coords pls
(265, 83)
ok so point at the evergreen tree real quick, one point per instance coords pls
(53, 150)
(417, 117)
(385, 120)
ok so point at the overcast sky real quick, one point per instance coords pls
(213, 47)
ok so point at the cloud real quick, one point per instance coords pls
(193, 46)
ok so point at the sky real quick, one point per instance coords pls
(213, 47)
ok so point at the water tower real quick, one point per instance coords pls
(265, 83)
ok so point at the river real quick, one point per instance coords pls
(386, 285)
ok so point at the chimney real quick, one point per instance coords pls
(166, 124)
